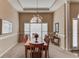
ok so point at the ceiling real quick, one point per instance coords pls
(34, 5)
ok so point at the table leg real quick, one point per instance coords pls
(25, 51)
(46, 52)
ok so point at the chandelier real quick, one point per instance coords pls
(36, 18)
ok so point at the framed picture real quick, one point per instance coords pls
(57, 27)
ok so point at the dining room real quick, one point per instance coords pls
(39, 29)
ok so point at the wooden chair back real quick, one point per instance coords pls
(36, 50)
(46, 39)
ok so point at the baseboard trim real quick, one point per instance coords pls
(74, 49)
(7, 50)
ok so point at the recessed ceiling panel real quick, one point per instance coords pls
(36, 3)
(31, 5)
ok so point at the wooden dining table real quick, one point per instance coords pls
(27, 47)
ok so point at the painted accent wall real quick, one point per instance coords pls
(7, 12)
(0, 26)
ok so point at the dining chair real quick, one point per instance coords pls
(36, 50)
(47, 39)
(25, 38)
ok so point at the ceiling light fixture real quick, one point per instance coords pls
(36, 18)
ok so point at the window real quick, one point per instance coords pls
(44, 29)
(40, 28)
(27, 29)
(75, 33)
(35, 28)
(6, 27)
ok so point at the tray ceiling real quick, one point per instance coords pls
(31, 5)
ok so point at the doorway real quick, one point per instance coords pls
(75, 33)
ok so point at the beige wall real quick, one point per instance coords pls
(10, 14)
(0, 26)
(59, 18)
(26, 17)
